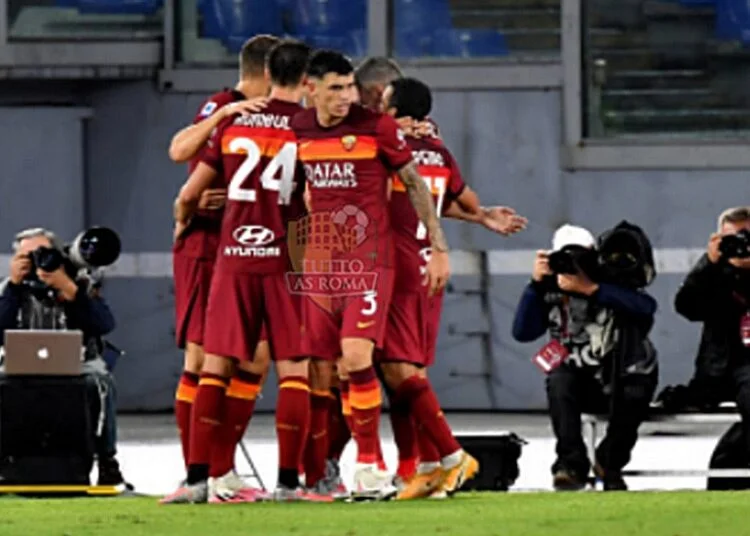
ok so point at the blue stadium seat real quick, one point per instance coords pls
(326, 17)
(733, 21)
(352, 44)
(137, 7)
(469, 43)
(211, 26)
(416, 21)
(237, 22)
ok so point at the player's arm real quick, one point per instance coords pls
(190, 194)
(188, 142)
(421, 200)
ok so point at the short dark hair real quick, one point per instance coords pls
(253, 54)
(411, 98)
(377, 70)
(323, 62)
(287, 62)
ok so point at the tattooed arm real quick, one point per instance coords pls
(438, 267)
(421, 199)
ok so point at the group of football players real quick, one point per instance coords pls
(308, 234)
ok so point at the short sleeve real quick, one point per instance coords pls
(211, 155)
(456, 182)
(392, 145)
(208, 109)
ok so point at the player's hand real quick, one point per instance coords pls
(578, 283)
(179, 230)
(714, 255)
(20, 266)
(503, 220)
(407, 125)
(541, 266)
(437, 271)
(245, 107)
(424, 129)
(213, 199)
(60, 281)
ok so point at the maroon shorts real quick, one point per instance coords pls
(413, 326)
(192, 280)
(326, 321)
(240, 305)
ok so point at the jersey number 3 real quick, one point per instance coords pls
(282, 165)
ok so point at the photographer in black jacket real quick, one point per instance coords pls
(32, 298)
(716, 292)
(590, 303)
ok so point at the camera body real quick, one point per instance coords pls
(91, 249)
(736, 246)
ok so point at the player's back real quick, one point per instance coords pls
(256, 156)
(438, 169)
(347, 168)
(202, 238)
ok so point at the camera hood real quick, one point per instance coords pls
(626, 255)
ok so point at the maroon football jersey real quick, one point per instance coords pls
(439, 170)
(256, 158)
(202, 238)
(347, 167)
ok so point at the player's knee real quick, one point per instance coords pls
(299, 368)
(221, 366)
(321, 372)
(357, 353)
(396, 373)
(261, 360)
(193, 358)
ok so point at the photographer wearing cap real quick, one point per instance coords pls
(47, 290)
(589, 299)
(716, 292)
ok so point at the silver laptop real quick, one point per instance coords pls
(43, 352)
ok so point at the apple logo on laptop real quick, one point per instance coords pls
(43, 353)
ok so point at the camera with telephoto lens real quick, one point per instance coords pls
(736, 246)
(571, 260)
(93, 248)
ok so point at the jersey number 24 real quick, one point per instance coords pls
(282, 165)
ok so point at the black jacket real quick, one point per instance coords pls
(714, 294)
(539, 311)
(90, 314)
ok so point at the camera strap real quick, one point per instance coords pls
(564, 317)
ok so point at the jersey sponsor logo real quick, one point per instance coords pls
(348, 142)
(331, 174)
(253, 239)
(428, 158)
(208, 109)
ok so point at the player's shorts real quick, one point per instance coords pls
(192, 280)
(240, 304)
(413, 327)
(362, 316)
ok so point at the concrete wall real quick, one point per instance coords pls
(508, 146)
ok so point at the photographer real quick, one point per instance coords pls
(716, 292)
(63, 297)
(590, 303)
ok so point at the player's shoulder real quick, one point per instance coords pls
(304, 119)
(216, 101)
(280, 107)
(367, 120)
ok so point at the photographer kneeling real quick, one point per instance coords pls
(716, 292)
(598, 322)
(46, 291)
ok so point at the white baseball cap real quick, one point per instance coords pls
(572, 235)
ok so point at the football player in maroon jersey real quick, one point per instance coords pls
(195, 251)
(256, 158)
(349, 153)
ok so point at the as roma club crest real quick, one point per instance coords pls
(349, 142)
